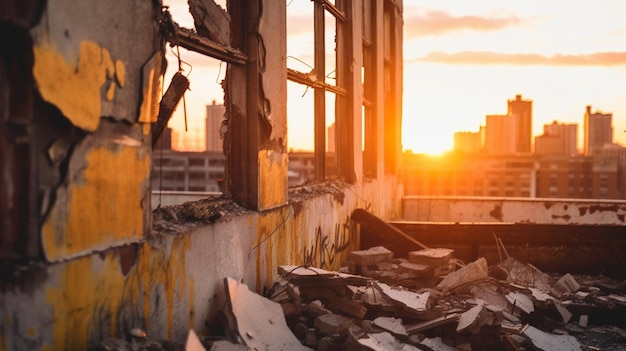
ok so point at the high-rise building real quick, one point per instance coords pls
(213, 123)
(522, 112)
(598, 130)
(557, 139)
(330, 138)
(499, 131)
(468, 142)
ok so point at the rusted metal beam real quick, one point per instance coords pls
(320, 92)
(333, 10)
(304, 78)
(190, 40)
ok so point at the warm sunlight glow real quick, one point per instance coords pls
(462, 61)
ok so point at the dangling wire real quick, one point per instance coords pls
(180, 69)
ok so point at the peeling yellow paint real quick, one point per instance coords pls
(149, 109)
(87, 296)
(272, 177)
(120, 73)
(110, 92)
(101, 209)
(75, 90)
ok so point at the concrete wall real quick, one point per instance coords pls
(172, 281)
(83, 92)
(513, 210)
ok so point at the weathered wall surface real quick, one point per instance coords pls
(537, 211)
(170, 283)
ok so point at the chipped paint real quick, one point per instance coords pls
(95, 289)
(120, 73)
(272, 178)
(103, 205)
(151, 91)
(74, 88)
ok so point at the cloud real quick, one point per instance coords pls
(435, 22)
(493, 58)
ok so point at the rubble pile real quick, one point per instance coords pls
(427, 301)
(430, 301)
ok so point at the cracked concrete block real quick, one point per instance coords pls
(331, 324)
(258, 321)
(470, 273)
(567, 284)
(550, 342)
(431, 256)
(521, 301)
(370, 256)
(392, 325)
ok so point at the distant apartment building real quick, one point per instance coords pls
(204, 171)
(463, 175)
(330, 138)
(499, 132)
(544, 176)
(598, 130)
(213, 123)
(469, 142)
(557, 139)
(521, 111)
(187, 171)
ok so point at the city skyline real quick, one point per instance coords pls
(461, 63)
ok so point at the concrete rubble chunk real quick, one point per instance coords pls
(525, 274)
(385, 342)
(436, 344)
(550, 342)
(391, 324)
(416, 268)
(431, 256)
(566, 315)
(521, 301)
(259, 322)
(311, 276)
(370, 256)
(332, 323)
(566, 285)
(488, 292)
(437, 322)
(469, 318)
(472, 272)
(225, 345)
(412, 300)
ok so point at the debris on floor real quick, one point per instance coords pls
(427, 301)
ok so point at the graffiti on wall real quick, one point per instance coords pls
(324, 249)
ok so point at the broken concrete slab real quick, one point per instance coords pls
(385, 342)
(417, 302)
(550, 342)
(257, 321)
(566, 315)
(521, 301)
(436, 344)
(392, 325)
(370, 256)
(311, 276)
(433, 323)
(193, 342)
(472, 272)
(469, 318)
(525, 274)
(225, 345)
(332, 323)
(431, 256)
(566, 285)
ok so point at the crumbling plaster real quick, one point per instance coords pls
(170, 283)
(537, 211)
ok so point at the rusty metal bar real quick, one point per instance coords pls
(335, 11)
(190, 40)
(320, 92)
(304, 78)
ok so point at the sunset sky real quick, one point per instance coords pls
(462, 61)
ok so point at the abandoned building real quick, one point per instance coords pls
(83, 257)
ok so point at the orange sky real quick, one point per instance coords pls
(463, 60)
